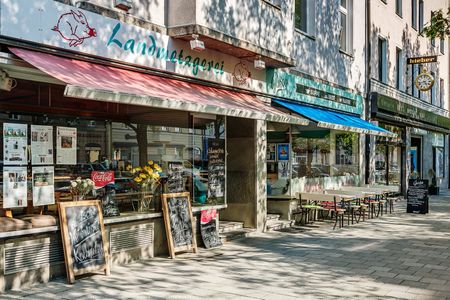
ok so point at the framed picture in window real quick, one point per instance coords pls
(282, 152)
(271, 152)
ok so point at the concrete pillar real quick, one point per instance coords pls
(246, 173)
(261, 174)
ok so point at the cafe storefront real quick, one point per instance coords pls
(94, 106)
(328, 153)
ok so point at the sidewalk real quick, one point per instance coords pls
(398, 256)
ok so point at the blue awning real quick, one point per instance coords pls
(334, 120)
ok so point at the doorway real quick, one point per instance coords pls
(416, 156)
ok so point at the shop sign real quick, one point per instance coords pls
(102, 178)
(422, 60)
(308, 90)
(54, 24)
(396, 107)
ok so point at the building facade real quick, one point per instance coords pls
(419, 117)
(90, 87)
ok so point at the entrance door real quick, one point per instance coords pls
(416, 156)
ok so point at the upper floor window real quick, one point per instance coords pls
(345, 34)
(441, 92)
(415, 72)
(400, 69)
(382, 60)
(442, 46)
(398, 7)
(304, 16)
(421, 15)
(414, 14)
(433, 91)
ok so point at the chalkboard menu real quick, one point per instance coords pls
(178, 220)
(175, 183)
(110, 207)
(216, 168)
(417, 196)
(83, 236)
(208, 228)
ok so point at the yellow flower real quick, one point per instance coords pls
(138, 169)
(150, 162)
(137, 179)
(143, 176)
(149, 171)
(129, 167)
(155, 176)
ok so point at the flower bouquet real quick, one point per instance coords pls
(147, 177)
(80, 188)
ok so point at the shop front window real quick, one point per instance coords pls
(59, 149)
(325, 153)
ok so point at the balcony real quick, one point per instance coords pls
(244, 29)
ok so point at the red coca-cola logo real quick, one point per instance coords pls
(101, 179)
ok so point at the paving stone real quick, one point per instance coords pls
(409, 277)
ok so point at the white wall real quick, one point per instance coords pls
(320, 56)
(399, 33)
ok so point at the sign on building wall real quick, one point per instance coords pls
(308, 90)
(58, 25)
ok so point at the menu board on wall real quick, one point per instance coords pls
(216, 168)
(14, 187)
(43, 185)
(84, 239)
(175, 182)
(41, 145)
(417, 196)
(14, 144)
(66, 146)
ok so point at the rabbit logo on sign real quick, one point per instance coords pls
(74, 28)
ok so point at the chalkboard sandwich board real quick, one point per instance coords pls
(84, 239)
(208, 229)
(179, 223)
(417, 196)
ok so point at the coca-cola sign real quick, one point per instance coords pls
(102, 178)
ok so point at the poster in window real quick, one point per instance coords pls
(43, 185)
(14, 144)
(283, 170)
(216, 168)
(41, 145)
(283, 152)
(344, 149)
(66, 146)
(14, 187)
(439, 162)
(271, 152)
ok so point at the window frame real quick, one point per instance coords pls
(348, 13)
(421, 15)
(399, 8)
(382, 60)
(310, 18)
(414, 20)
(400, 69)
(441, 92)
(442, 46)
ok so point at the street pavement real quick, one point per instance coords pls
(398, 256)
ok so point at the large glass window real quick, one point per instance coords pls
(189, 157)
(399, 70)
(388, 157)
(324, 153)
(414, 14)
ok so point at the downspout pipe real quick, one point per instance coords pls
(368, 53)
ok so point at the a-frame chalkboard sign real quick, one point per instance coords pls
(179, 223)
(84, 239)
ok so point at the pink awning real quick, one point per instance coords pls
(88, 80)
